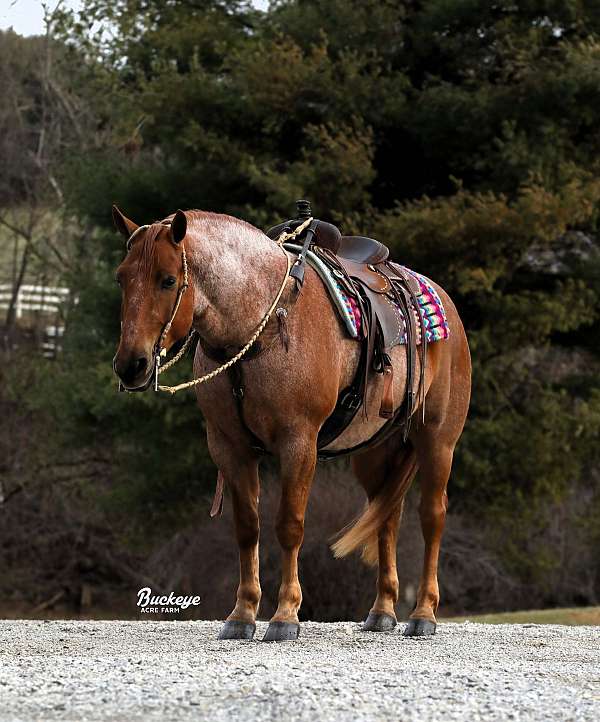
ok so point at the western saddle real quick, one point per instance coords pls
(385, 293)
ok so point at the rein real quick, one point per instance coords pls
(160, 352)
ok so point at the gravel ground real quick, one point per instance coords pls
(161, 671)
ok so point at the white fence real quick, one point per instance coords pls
(43, 299)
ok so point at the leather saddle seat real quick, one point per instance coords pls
(361, 249)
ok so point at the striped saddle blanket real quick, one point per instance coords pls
(430, 308)
(430, 304)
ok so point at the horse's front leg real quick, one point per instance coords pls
(298, 459)
(241, 476)
(244, 488)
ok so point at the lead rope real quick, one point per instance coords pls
(220, 369)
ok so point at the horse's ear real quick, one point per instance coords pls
(178, 227)
(122, 223)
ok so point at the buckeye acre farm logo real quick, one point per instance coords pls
(167, 604)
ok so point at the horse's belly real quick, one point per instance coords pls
(364, 427)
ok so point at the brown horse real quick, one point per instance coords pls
(235, 271)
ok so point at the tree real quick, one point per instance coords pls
(40, 123)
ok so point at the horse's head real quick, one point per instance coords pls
(151, 277)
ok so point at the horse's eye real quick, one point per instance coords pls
(169, 282)
(118, 281)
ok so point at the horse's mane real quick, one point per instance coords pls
(215, 220)
(210, 224)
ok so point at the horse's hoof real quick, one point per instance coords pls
(379, 622)
(234, 629)
(282, 632)
(419, 628)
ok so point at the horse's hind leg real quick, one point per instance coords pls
(435, 462)
(434, 442)
(390, 466)
(382, 615)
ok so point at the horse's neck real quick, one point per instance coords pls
(236, 271)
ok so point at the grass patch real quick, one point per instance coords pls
(575, 616)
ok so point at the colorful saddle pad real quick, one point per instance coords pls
(430, 308)
(430, 304)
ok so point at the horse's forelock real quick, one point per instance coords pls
(147, 248)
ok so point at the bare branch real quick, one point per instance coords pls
(26, 234)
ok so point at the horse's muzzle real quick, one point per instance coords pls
(134, 371)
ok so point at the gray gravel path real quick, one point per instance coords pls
(162, 671)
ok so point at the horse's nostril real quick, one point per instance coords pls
(131, 370)
(140, 365)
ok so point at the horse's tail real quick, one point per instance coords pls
(388, 501)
